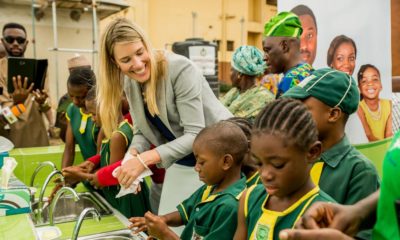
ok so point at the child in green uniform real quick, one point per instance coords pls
(249, 166)
(113, 150)
(285, 144)
(211, 211)
(81, 129)
(342, 171)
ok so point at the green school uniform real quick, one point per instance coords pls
(132, 204)
(84, 130)
(264, 224)
(346, 175)
(255, 179)
(387, 226)
(211, 216)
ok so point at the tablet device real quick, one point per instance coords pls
(34, 69)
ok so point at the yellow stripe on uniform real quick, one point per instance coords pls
(251, 178)
(184, 211)
(269, 218)
(246, 200)
(316, 172)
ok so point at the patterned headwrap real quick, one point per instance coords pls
(248, 60)
(285, 24)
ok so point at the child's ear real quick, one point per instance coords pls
(314, 152)
(335, 114)
(228, 162)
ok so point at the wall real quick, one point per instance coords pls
(70, 35)
(395, 8)
(169, 21)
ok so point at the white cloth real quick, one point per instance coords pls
(134, 186)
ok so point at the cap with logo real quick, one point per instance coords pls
(333, 88)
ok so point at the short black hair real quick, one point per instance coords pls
(290, 119)
(91, 94)
(224, 137)
(13, 25)
(82, 76)
(301, 10)
(336, 42)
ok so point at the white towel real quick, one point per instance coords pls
(133, 188)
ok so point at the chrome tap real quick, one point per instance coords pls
(93, 211)
(38, 214)
(40, 166)
(55, 200)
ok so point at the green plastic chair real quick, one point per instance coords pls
(375, 151)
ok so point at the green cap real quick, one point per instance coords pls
(285, 24)
(333, 88)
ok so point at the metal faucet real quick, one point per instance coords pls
(55, 200)
(93, 211)
(42, 190)
(40, 166)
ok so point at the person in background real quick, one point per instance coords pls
(285, 144)
(375, 113)
(281, 47)
(3, 51)
(211, 211)
(81, 128)
(246, 99)
(36, 102)
(78, 61)
(342, 54)
(342, 171)
(170, 102)
(308, 39)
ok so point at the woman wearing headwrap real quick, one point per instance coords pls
(246, 99)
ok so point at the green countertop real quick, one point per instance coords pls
(20, 226)
(16, 227)
(91, 226)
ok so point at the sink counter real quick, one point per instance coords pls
(20, 227)
(17, 227)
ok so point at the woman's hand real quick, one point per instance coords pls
(130, 171)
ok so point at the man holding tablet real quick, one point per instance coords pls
(30, 129)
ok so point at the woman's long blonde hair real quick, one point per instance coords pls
(111, 80)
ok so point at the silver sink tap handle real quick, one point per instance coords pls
(42, 190)
(40, 166)
(93, 211)
(55, 200)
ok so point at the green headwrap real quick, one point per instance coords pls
(285, 24)
(248, 60)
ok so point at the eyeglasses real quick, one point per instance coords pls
(10, 39)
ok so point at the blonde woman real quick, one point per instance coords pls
(170, 102)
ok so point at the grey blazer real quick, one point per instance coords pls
(186, 104)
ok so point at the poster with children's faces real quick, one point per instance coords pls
(353, 37)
